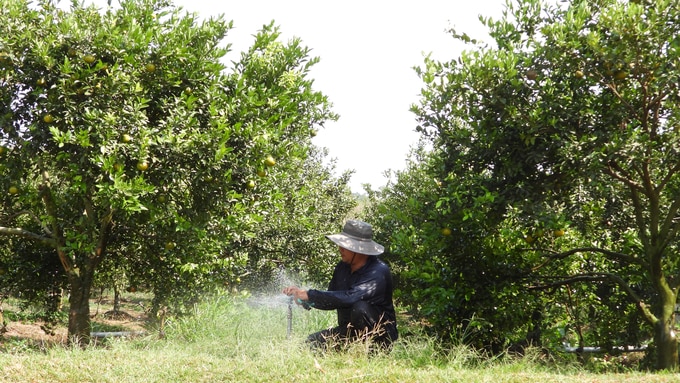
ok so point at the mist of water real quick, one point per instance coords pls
(270, 294)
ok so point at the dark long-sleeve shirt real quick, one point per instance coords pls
(371, 283)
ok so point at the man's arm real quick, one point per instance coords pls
(296, 293)
(371, 285)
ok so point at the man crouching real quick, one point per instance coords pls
(360, 290)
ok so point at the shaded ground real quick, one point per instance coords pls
(131, 318)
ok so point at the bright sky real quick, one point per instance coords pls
(367, 51)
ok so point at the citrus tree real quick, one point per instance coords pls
(448, 274)
(125, 136)
(304, 204)
(571, 117)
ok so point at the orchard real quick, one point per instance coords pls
(540, 207)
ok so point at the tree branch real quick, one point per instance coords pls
(567, 280)
(638, 210)
(616, 171)
(46, 192)
(612, 87)
(34, 217)
(19, 232)
(669, 224)
(608, 253)
(668, 177)
(651, 318)
(594, 277)
(104, 231)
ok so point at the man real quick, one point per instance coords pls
(360, 290)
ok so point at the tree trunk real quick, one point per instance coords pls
(116, 298)
(79, 309)
(3, 325)
(665, 341)
(663, 320)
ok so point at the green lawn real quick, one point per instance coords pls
(229, 340)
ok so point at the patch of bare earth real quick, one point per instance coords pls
(34, 332)
(132, 319)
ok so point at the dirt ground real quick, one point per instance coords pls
(131, 318)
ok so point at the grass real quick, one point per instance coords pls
(228, 340)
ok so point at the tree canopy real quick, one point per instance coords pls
(127, 142)
(555, 166)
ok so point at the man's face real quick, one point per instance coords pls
(346, 255)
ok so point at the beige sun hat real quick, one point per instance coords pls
(357, 236)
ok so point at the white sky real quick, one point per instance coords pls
(367, 50)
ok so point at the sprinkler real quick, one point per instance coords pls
(306, 305)
(290, 317)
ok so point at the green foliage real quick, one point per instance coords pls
(305, 202)
(568, 122)
(135, 149)
(447, 271)
(34, 273)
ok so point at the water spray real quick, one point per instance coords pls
(272, 300)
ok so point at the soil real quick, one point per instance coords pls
(131, 318)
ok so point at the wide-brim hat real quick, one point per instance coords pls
(357, 236)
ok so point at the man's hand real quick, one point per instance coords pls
(297, 293)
